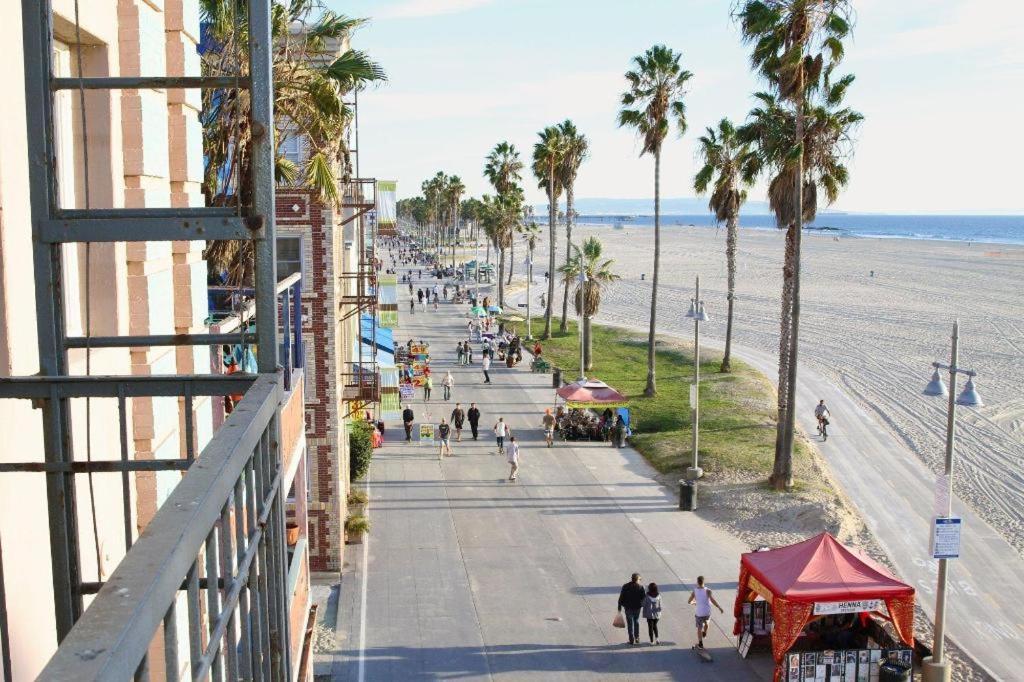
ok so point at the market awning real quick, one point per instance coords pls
(384, 341)
(821, 569)
(819, 575)
(591, 393)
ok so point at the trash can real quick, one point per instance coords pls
(687, 495)
(556, 377)
(894, 671)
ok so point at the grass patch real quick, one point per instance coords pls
(737, 419)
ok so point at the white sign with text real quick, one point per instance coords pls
(829, 608)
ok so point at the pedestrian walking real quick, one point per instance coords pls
(445, 290)
(444, 434)
(407, 419)
(652, 612)
(412, 306)
(448, 384)
(419, 295)
(500, 431)
(460, 352)
(631, 600)
(473, 415)
(458, 419)
(486, 366)
(702, 597)
(512, 455)
(469, 353)
(548, 422)
(428, 386)
(423, 305)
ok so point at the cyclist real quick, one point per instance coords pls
(822, 414)
(549, 427)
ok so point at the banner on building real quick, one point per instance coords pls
(387, 196)
(387, 299)
(390, 409)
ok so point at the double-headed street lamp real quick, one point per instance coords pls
(698, 315)
(936, 668)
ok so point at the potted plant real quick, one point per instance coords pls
(292, 532)
(357, 500)
(356, 526)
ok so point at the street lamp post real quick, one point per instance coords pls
(582, 318)
(936, 668)
(697, 314)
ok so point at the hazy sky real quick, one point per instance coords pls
(941, 83)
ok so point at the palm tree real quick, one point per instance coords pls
(454, 192)
(728, 162)
(503, 169)
(548, 153)
(653, 102)
(310, 86)
(500, 214)
(587, 294)
(576, 148)
(790, 39)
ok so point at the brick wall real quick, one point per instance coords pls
(300, 214)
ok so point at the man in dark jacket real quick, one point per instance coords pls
(458, 419)
(631, 599)
(474, 419)
(407, 419)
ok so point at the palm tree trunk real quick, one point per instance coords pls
(569, 200)
(731, 228)
(783, 470)
(785, 319)
(551, 255)
(501, 277)
(651, 389)
(511, 261)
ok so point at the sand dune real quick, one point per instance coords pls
(874, 336)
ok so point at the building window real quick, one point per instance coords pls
(291, 149)
(289, 256)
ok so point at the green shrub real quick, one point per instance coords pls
(357, 497)
(360, 449)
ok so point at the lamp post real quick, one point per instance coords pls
(697, 314)
(936, 668)
(582, 317)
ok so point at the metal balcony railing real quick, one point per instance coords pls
(360, 384)
(232, 317)
(217, 540)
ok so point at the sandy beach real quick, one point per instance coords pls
(875, 336)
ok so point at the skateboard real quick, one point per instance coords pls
(705, 655)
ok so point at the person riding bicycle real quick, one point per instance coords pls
(822, 414)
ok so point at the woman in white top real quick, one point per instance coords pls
(513, 457)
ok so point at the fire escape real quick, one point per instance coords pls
(361, 380)
(212, 564)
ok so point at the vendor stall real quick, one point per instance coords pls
(783, 594)
(574, 419)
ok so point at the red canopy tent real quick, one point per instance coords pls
(819, 570)
(591, 393)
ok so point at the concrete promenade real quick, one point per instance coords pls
(467, 575)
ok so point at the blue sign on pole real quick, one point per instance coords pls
(946, 538)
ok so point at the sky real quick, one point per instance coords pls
(940, 83)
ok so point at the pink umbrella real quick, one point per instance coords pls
(591, 393)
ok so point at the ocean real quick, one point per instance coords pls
(993, 229)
